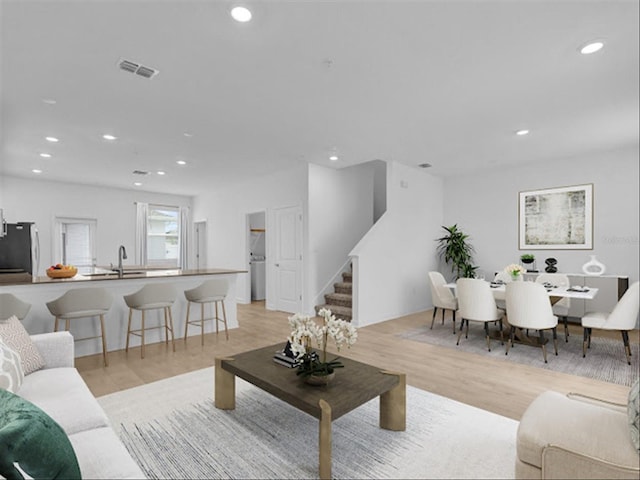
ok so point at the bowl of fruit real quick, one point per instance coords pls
(61, 271)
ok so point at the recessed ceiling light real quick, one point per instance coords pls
(241, 14)
(160, 172)
(51, 139)
(187, 134)
(36, 170)
(592, 47)
(49, 101)
(45, 155)
(106, 136)
(137, 184)
(333, 158)
(181, 162)
(522, 132)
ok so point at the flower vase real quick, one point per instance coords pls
(593, 267)
(516, 277)
(319, 379)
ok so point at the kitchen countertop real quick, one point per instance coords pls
(107, 275)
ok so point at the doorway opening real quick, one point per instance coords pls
(257, 256)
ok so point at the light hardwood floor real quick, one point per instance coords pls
(502, 388)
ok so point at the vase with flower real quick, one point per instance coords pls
(515, 271)
(316, 369)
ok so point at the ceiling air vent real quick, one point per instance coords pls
(140, 172)
(424, 165)
(133, 67)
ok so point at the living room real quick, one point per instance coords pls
(453, 110)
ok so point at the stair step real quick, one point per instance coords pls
(343, 287)
(342, 313)
(347, 277)
(340, 299)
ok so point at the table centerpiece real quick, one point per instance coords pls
(315, 369)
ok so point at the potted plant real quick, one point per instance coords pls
(456, 250)
(527, 258)
(317, 370)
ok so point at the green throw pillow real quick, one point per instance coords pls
(633, 409)
(33, 440)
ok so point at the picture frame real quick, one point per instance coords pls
(559, 218)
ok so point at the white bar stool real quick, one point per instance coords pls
(211, 291)
(11, 305)
(153, 296)
(83, 303)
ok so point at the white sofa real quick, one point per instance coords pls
(59, 390)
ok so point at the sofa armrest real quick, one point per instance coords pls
(561, 462)
(620, 407)
(57, 349)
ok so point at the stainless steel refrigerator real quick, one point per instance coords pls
(19, 250)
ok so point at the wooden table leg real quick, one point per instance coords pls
(324, 443)
(225, 387)
(393, 405)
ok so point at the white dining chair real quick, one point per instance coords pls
(561, 307)
(623, 318)
(442, 298)
(476, 303)
(528, 307)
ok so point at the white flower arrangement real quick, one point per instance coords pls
(514, 269)
(305, 328)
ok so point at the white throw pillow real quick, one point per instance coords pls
(11, 373)
(14, 335)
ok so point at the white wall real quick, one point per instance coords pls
(485, 205)
(41, 201)
(392, 260)
(226, 210)
(341, 209)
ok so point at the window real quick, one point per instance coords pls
(163, 236)
(75, 242)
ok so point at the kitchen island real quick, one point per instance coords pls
(44, 289)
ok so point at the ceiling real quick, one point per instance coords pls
(442, 82)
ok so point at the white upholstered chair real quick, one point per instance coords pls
(528, 307)
(209, 292)
(153, 296)
(83, 303)
(561, 307)
(11, 305)
(476, 303)
(442, 297)
(623, 318)
(573, 436)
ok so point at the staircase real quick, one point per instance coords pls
(340, 301)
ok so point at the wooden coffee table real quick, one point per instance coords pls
(353, 385)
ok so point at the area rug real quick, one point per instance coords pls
(172, 429)
(605, 359)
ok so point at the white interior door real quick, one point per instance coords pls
(201, 244)
(288, 259)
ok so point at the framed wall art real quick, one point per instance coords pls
(556, 218)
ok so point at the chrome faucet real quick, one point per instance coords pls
(122, 255)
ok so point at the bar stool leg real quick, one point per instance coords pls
(126, 349)
(142, 337)
(104, 341)
(173, 343)
(217, 318)
(224, 315)
(186, 323)
(66, 324)
(55, 325)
